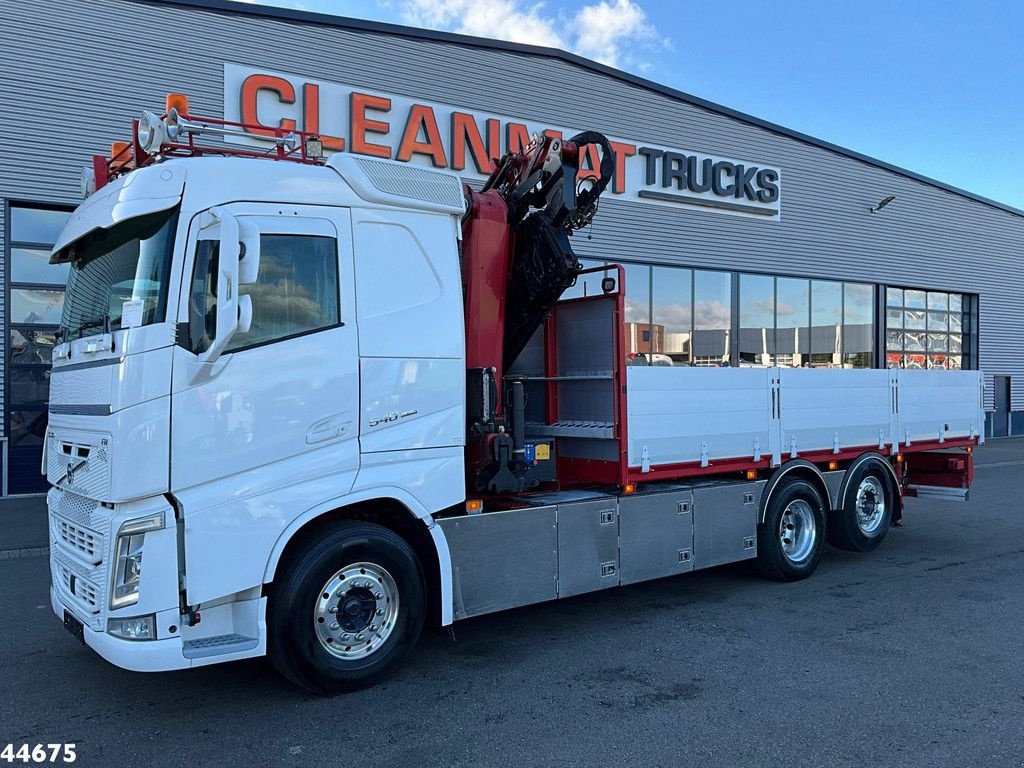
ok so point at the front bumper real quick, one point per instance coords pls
(136, 655)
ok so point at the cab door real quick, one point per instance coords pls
(269, 428)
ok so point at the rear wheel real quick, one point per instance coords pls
(866, 514)
(790, 540)
(347, 610)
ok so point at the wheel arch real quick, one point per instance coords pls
(392, 510)
(871, 457)
(794, 468)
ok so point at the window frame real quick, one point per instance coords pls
(299, 226)
(970, 310)
(9, 366)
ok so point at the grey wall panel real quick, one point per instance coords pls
(929, 237)
(4, 339)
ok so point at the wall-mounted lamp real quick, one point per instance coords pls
(882, 203)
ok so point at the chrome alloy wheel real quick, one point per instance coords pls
(870, 505)
(356, 611)
(798, 531)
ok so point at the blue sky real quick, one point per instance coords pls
(936, 87)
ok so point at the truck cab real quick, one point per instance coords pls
(243, 345)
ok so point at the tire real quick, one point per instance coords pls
(790, 540)
(347, 610)
(867, 512)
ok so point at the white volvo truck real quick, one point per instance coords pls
(300, 408)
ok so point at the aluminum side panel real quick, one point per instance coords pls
(502, 560)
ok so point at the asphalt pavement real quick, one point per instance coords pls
(909, 656)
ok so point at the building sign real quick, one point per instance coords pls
(352, 119)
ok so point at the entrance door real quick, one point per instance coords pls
(1001, 417)
(270, 428)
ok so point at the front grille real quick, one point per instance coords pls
(82, 540)
(80, 465)
(79, 536)
(85, 592)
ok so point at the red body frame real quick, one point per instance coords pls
(573, 471)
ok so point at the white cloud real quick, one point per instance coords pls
(599, 31)
(505, 19)
(605, 27)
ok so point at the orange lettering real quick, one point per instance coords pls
(421, 118)
(251, 87)
(361, 124)
(311, 118)
(551, 133)
(591, 156)
(466, 134)
(518, 137)
(493, 141)
(622, 151)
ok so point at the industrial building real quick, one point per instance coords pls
(745, 243)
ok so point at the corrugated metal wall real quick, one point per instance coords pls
(78, 76)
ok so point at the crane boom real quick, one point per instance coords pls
(516, 262)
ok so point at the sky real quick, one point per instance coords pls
(934, 86)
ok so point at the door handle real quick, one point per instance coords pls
(327, 429)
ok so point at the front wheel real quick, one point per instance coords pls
(790, 540)
(347, 610)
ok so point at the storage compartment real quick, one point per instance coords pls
(588, 546)
(655, 534)
(725, 522)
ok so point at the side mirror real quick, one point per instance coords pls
(249, 259)
(227, 283)
(244, 314)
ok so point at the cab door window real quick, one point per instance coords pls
(296, 291)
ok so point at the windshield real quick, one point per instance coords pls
(119, 271)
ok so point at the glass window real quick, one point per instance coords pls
(858, 325)
(938, 321)
(31, 265)
(712, 317)
(109, 267)
(914, 319)
(36, 225)
(31, 346)
(826, 323)
(29, 386)
(894, 297)
(792, 321)
(296, 290)
(757, 320)
(638, 313)
(937, 330)
(27, 426)
(672, 312)
(40, 307)
(914, 299)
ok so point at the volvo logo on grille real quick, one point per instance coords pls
(69, 476)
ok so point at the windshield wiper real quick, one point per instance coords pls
(101, 321)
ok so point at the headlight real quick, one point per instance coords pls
(134, 628)
(128, 559)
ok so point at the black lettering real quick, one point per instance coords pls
(744, 177)
(717, 170)
(766, 180)
(674, 170)
(691, 174)
(651, 156)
